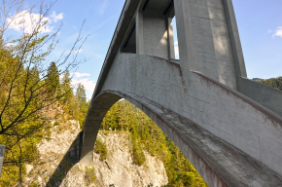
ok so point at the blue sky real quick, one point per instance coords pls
(259, 23)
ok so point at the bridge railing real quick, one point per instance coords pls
(263, 94)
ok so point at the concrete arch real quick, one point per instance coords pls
(191, 140)
(205, 119)
(231, 138)
(103, 103)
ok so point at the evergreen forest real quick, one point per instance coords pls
(272, 82)
(26, 118)
(147, 136)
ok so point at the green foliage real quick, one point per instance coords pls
(273, 82)
(34, 184)
(101, 148)
(66, 87)
(80, 96)
(53, 80)
(67, 95)
(147, 136)
(89, 176)
(22, 126)
(138, 154)
(28, 89)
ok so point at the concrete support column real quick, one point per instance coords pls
(187, 51)
(139, 33)
(235, 39)
(151, 33)
(196, 45)
(209, 40)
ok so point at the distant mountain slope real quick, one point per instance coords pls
(273, 82)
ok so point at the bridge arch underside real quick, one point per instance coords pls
(230, 139)
(219, 163)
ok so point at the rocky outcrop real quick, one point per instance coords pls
(119, 168)
(58, 164)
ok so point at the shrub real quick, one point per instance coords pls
(34, 184)
(101, 148)
(138, 154)
(89, 176)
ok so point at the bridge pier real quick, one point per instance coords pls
(208, 39)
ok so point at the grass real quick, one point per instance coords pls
(89, 176)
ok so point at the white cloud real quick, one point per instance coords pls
(56, 17)
(26, 21)
(278, 32)
(78, 75)
(176, 43)
(89, 85)
(9, 44)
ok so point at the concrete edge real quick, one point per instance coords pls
(213, 169)
(272, 116)
(129, 9)
(265, 85)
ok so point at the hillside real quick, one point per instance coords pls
(118, 167)
(130, 155)
(273, 82)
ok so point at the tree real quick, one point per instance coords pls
(66, 87)
(68, 99)
(145, 135)
(80, 96)
(53, 80)
(25, 85)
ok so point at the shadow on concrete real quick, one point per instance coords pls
(71, 158)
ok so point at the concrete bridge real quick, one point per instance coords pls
(228, 126)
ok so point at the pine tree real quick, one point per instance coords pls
(53, 80)
(80, 96)
(68, 99)
(66, 88)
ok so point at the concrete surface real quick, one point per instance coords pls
(263, 94)
(2, 153)
(226, 114)
(239, 142)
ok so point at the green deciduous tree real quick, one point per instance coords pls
(26, 84)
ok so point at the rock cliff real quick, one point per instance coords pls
(57, 165)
